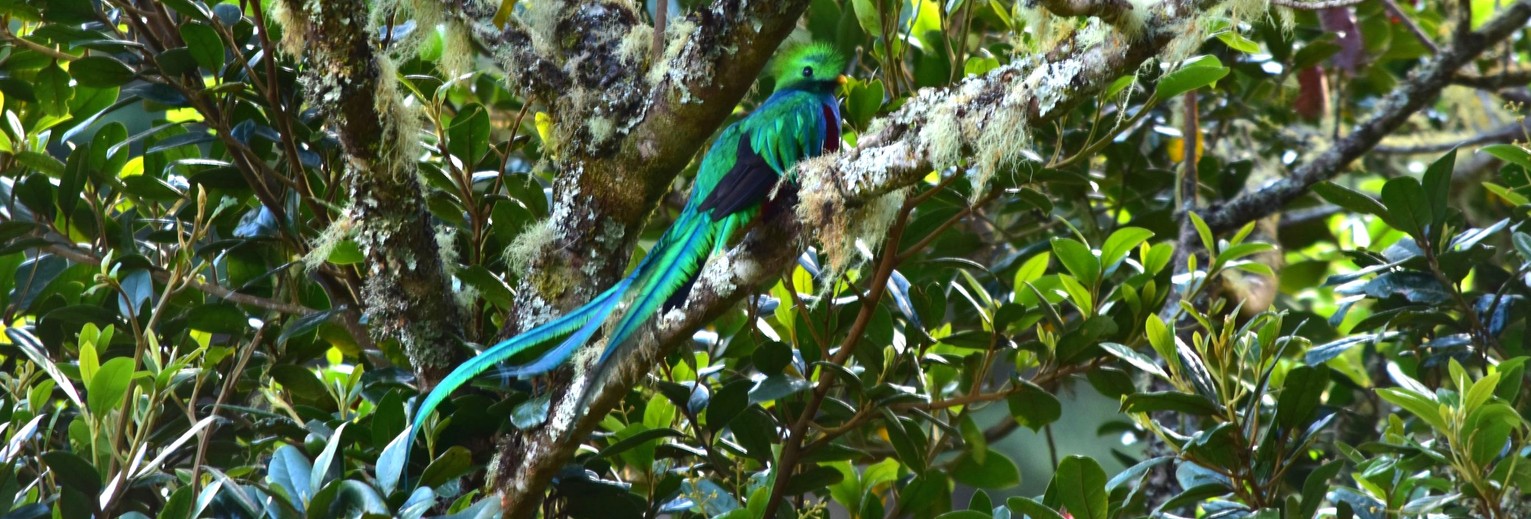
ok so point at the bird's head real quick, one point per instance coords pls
(814, 67)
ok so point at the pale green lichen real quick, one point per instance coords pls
(636, 44)
(401, 121)
(456, 49)
(295, 28)
(324, 245)
(1136, 19)
(1046, 29)
(1194, 29)
(446, 244)
(943, 136)
(847, 233)
(541, 20)
(528, 244)
(601, 129)
(677, 36)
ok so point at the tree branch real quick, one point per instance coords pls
(76, 255)
(1494, 81)
(1504, 133)
(1423, 86)
(407, 294)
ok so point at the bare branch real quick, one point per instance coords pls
(1408, 21)
(1109, 11)
(1314, 5)
(1423, 86)
(76, 255)
(1495, 81)
(1505, 133)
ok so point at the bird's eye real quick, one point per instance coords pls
(807, 71)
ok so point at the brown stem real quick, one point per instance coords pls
(793, 447)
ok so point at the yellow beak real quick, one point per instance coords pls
(842, 80)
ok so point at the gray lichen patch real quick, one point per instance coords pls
(844, 229)
(678, 41)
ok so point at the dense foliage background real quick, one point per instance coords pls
(1078, 328)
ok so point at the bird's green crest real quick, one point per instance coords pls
(815, 65)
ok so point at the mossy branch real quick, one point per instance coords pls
(407, 294)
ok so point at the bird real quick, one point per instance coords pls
(749, 158)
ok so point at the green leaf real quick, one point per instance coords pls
(1238, 42)
(1030, 507)
(1350, 199)
(964, 514)
(1121, 242)
(324, 469)
(1078, 294)
(1300, 395)
(973, 438)
(1163, 341)
(995, 471)
(1509, 196)
(192, 8)
(71, 471)
(100, 71)
(179, 504)
(53, 90)
(1410, 207)
(1032, 407)
(1032, 269)
(1078, 259)
(1488, 429)
(455, 462)
(1080, 485)
(109, 385)
(1195, 73)
(637, 439)
(1316, 486)
(347, 498)
(1512, 153)
(468, 137)
(1168, 401)
(1137, 360)
(300, 382)
(289, 469)
(1437, 183)
(205, 45)
(391, 463)
(863, 101)
(1420, 405)
(867, 16)
(1208, 240)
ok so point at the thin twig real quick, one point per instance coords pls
(1408, 22)
(661, 12)
(1506, 133)
(1315, 5)
(40, 48)
(78, 256)
(793, 446)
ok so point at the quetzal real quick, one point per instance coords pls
(800, 119)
